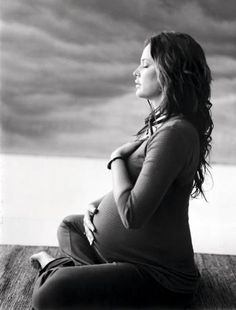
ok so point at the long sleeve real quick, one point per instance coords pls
(167, 152)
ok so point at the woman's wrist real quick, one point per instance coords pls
(113, 158)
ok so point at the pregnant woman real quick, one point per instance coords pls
(133, 249)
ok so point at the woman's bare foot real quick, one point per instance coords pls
(40, 260)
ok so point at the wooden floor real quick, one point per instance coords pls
(217, 289)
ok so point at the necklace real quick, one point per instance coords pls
(154, 120)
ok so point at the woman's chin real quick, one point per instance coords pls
(140, 94)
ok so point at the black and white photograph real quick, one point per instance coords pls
(117, 154)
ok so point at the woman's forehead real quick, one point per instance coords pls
(146, 54)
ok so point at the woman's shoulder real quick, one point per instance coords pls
(178, 123)
(177, 127)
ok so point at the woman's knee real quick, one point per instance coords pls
(70, 222)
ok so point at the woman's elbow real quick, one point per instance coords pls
(132, 226)
(129, 218)
(130, 222)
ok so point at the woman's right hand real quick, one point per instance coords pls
(88, 222)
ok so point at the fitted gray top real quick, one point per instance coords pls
(151, 228)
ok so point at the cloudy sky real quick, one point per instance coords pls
(66, 78)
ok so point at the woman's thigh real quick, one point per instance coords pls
(73, 242)
(103, 286)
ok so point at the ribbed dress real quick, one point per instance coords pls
(151, 228)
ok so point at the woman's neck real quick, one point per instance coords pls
(154, 103)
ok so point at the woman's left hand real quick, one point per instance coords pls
(126, 149)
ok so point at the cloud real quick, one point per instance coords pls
(224, 87)
(198, 18)
(219, 12)
(67, 66)
(222, 66)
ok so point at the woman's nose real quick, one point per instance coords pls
(136, 72)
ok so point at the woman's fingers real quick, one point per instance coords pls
(126, 149)
(88, 222)
(92, 209)
(89, 227)
(89, 235)
(136, 143)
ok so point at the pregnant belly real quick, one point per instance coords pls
(110, 235)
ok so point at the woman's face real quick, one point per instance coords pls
(147, 77)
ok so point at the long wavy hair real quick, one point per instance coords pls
(185, 80)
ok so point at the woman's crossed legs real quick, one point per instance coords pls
(82, 280)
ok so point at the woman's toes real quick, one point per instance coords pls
(40, 260)
(34, 260)
(35, 264)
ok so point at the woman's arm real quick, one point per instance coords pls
(166, 155)
(121, 182)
